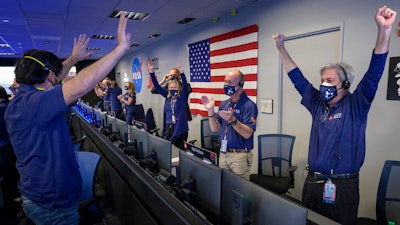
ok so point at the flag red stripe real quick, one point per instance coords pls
(249, 92)
(235, 33)
(198, 101)
(221, 78)
(235, 63)
(198, 111)
(234, 49)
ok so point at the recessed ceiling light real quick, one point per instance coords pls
(94, 49)
(130, 15)
(101, 36)
(154, 36)
(186, 20)
(4, 45)
(7, 53)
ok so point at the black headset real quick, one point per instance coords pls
(346, 82)
(241, 83)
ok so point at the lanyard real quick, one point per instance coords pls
(232, 106)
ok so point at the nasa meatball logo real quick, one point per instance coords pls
(137, 74)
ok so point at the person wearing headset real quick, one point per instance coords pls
(129, 100)
(236, 122)
(50, 182)
(339, 120)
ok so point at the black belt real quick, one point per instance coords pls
(320, 176)
(238, 150)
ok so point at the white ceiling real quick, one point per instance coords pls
(52, 24)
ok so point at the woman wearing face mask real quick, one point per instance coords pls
(129, 100)
(175, 125)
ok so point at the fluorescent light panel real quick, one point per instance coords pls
(130, 15)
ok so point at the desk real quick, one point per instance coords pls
(135, 196)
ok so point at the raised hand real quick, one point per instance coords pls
(385, 17)
(79, 52)
(208, 104)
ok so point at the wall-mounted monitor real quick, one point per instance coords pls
(207, 178)
(163, 150)
(7, 77)
(259, 205)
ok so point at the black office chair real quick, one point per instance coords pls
(388, 197)
(151, 126)
(139, 113)
(275, 169)
(209, 140)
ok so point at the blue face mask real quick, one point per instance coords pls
(173, 92)
(229, 90)
(327, 92)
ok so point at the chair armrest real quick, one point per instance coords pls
(292, 168)
(192, 141)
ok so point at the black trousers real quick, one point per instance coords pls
(344, 210)
(10, 175)
(177, 141)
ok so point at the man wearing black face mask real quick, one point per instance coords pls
(339, 119)
(236, 121)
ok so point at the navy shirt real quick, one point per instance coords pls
(246, 112)
(116, 105)
(337, 139)
(4, 139)
(130, 108)
(40, 136)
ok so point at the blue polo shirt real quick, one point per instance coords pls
(113, 92)
(40, 136)
(245, 110)
(130, 108)
(337, 139)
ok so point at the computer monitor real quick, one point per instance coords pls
(122, 129)
(112, 123)
(140, 137)
(163, 150)
(259, 205)
(207, 178)
(99, 118)
(206, 155)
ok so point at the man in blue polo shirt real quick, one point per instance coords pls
(236, 121)
(339, 119)
(50, 181)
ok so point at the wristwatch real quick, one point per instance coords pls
(233, 123)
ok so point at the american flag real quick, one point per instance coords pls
(211, 59)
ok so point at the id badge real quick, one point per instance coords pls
(329, 195)
(224, 145)
(173, 119)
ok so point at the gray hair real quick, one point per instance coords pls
(343, 69)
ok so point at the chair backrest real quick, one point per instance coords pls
(150, 122)
(388, 198)
(139, 113)
(209, 140)
(78, 144)
(275, 154)
(88, 162)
